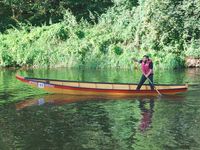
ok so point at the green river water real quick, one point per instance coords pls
(31, 119)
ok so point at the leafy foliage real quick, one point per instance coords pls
(167, 30)
(48, 11)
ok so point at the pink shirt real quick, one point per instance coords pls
(146, 68)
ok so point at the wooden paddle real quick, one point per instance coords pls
(154, 86)
(135, 60)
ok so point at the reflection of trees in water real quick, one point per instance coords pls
(124, 117)
(116, 124)
(83, 125)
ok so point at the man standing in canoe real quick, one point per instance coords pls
(147, 72)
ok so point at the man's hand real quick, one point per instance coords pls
(148, 74)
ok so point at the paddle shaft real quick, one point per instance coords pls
(154, 86)
(149, 80)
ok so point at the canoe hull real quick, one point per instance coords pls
(92, 92)
(70, 90)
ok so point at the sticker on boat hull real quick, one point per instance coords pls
(41, 85)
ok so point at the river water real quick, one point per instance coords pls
(31, 119)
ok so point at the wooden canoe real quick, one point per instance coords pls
(99, 88)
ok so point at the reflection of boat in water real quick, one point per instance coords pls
(54, 99)
(60, 99)
(99, 88)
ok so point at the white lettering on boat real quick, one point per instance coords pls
(41, 85)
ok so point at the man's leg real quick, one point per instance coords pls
(151, 83)
(142, 80)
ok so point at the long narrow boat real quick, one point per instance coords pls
(99, 88)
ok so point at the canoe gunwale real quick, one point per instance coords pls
(48, 80)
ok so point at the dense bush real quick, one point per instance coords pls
(168, 31)
(39, 12)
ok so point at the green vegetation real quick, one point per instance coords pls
(169, 31)
(38, 12)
